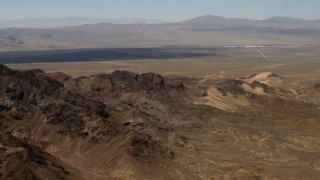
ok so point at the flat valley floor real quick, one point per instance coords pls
(298, 65)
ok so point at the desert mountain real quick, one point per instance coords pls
(22, 160)
(280, 19)
(217, 22)
(275, 25)
(39, 110)
(72, 21)
(125, 125)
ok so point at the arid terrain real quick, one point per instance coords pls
(299, 65)
(200, 31)
(233, 113)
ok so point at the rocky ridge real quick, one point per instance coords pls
(140, 126)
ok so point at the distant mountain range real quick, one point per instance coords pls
(217, 22)
(76, 21)
(200, 31)
(72, 21)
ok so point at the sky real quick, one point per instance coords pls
(168, 10)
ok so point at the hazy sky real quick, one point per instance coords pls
(169, 10)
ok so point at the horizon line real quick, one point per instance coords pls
(155, 19)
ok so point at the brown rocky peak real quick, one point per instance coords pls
(144, 81)
(123, 78)
(317, 86)
(5, 71)
(58, 76)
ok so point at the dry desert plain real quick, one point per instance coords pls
(299, 65)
